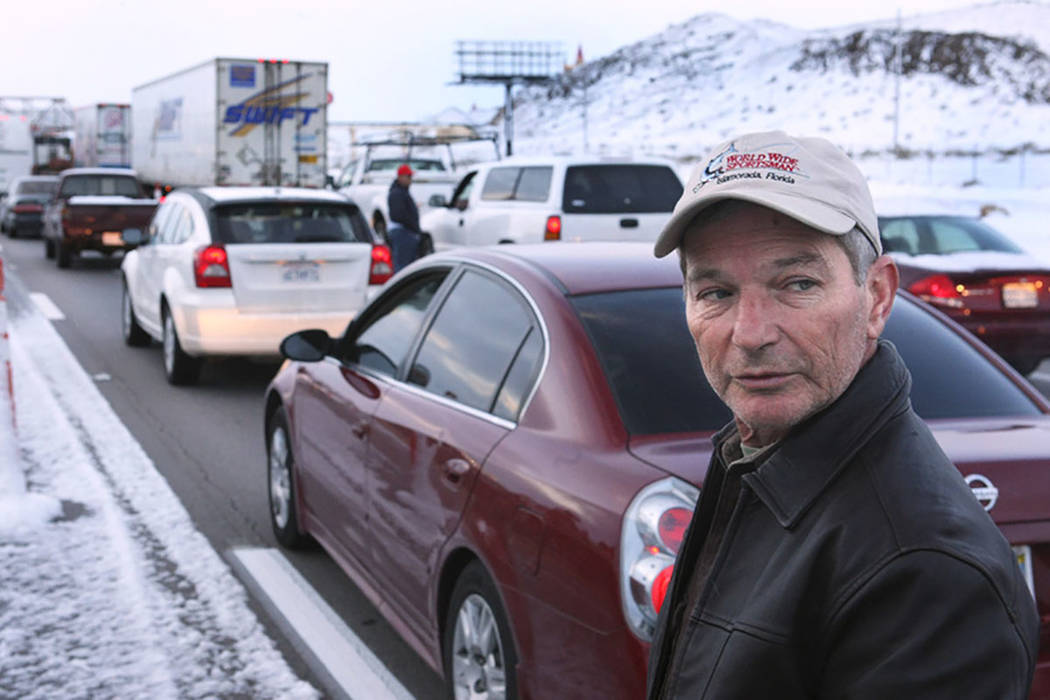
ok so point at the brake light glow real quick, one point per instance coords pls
(382, 267)
(553, 229)
(939, 290)
(27, 208)
(660, 584)
(211, 267)
(654, 526)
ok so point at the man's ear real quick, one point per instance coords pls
(881, 286)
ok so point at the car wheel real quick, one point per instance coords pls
(1025, 365)
(133, 333)
(63, 255)
(480, 661)
(12, 231)
(379, 226)
(280, 472)
(179, 368)
(49, 249)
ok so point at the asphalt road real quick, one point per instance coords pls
(207, 440)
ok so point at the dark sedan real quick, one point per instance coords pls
(504, 449)
(979, 277)
(23, 211)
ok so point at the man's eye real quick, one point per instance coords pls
(713, 294)
(802, 285)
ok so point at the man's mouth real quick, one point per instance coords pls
(762, 381)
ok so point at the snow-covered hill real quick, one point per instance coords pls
(976, 78)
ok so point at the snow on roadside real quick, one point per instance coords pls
(119, 596)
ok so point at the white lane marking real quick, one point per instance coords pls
(341, 654)
(47, 307)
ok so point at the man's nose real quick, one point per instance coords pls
(755, 325)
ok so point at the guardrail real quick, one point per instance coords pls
(7, 386)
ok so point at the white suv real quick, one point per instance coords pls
(525, 200)
(233, 270)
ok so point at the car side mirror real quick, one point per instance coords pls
(310, 345)
(133, 236)
(437, 200)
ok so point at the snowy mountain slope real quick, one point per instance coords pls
(680, 91)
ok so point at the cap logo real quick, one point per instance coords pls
(761, 163)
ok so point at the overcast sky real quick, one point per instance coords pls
(387, 60)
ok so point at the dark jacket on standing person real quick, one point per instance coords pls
(849, 561)
(402, 207)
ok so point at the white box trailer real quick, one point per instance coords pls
(233, 121)
(16, 148)
(102, 136)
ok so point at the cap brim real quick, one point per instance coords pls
(812, 213)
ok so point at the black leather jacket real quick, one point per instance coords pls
(855, 563)
(402, 207)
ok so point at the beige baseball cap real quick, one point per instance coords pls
(809, 179)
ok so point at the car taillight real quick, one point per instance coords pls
(553, 229)
(211, 267)
(940, 290)
(382, 265)
(653, 528)
(27, 209)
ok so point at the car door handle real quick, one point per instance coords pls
(461, 222)
(628, 223)
(456, 469)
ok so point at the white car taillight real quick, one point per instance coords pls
(211, 267)
(652, 532)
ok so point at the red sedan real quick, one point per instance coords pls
(977, 276)
(504, 449)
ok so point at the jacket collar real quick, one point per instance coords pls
(815, 451)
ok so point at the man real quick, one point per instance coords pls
(835, 551)
(404, 235)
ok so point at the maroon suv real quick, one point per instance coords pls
(504, 449)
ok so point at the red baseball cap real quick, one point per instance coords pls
(404, 170)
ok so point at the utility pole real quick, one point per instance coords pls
(897, 86)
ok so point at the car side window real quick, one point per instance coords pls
(520, 377)
(385, 341)
(183, 227)
(900, 236)
(166, 230)
(475, 338)
(462, 193)
(499, 184)
(156, 225)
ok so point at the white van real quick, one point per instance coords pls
(527, 200)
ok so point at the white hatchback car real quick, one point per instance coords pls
(528, 200)
(232, 271)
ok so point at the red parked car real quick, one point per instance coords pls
(979, 277)
(504, 449)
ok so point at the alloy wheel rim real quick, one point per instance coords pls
(478, 672)
(169, 344)
(280, 478)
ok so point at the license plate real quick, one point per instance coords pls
(301, 272)
(1024, 560)
(1020, 295)
(112, 238)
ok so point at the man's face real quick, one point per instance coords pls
(779, 321)
(404, 180)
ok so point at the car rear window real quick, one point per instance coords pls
(37, 187)
(660, 388)
(941, 235)
(620, 189)
(94, 185)
(290, 222)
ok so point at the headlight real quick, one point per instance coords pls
(653, 528)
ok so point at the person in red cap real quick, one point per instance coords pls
(404, 234)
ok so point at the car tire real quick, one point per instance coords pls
(179, 368)
(1025, 365)
(134, 335)
(49, 249)
(63, 255)
(280, 481)
(477, 645)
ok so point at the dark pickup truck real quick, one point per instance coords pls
(92, 210)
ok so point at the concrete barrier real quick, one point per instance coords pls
(7, 386)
